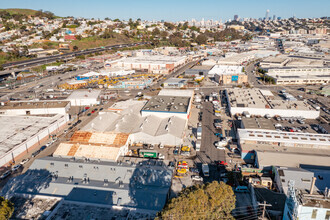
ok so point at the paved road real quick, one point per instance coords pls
(49, 59)
(209, 153)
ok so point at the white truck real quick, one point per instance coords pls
(199, 132)
(198, 145)
(205, 169)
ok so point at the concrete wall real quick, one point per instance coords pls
(33, 142)
(183, 115)
(35, 111)
(166, 139)
(273, 112)
(83, 102)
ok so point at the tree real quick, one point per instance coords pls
(209, 201)
(6, 208)
(201, 39)
(74, 48)
(78, 37)
(155, 32)
(164, 34)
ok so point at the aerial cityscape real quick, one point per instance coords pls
(165, 110)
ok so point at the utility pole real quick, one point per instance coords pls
(264, 205)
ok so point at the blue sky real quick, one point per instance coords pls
(174, 10)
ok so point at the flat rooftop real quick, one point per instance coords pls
(32, 208)
(157, 59)
(227, 70)
(275, 60)
(34, 105)
(91, 151)
(268, 158)
(141, 186)
(296, 62)
(176, 80)
(255, 98)
(167, 104)
(108, 138)
(17, 129)
(279, 136)
(80, 211)
(84, 94)
(257, 123)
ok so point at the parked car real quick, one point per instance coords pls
(176, 151)
(43, 148)
(193, 170)
(196, 178)
(171, 164)
(5, 175)
(241, 189)
(34, 154)
(16, 167)
(24, 161)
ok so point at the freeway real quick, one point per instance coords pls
(71, 55)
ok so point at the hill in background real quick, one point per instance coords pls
(20, 11)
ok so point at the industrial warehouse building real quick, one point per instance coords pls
(305, 75)
(140, 186)
(199, 70)
(106, 146)
(224, 74)
(175, 83)
(84, 97)
(22, 134)
(263, 102)
(152, 64)
(150, 121)
(35, 108)
(169, 103)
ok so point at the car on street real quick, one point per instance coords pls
(5, 175)
(196, 178)
(171, 164)
(16, 167)
(217, 123)
(176, 151)
(43, 148)
(24, 161)
(89, 114)
(34, 154)
(193, 170)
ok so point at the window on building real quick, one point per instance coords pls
(327, 215)
(314, 213)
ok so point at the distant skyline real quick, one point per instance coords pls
(176, 10)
